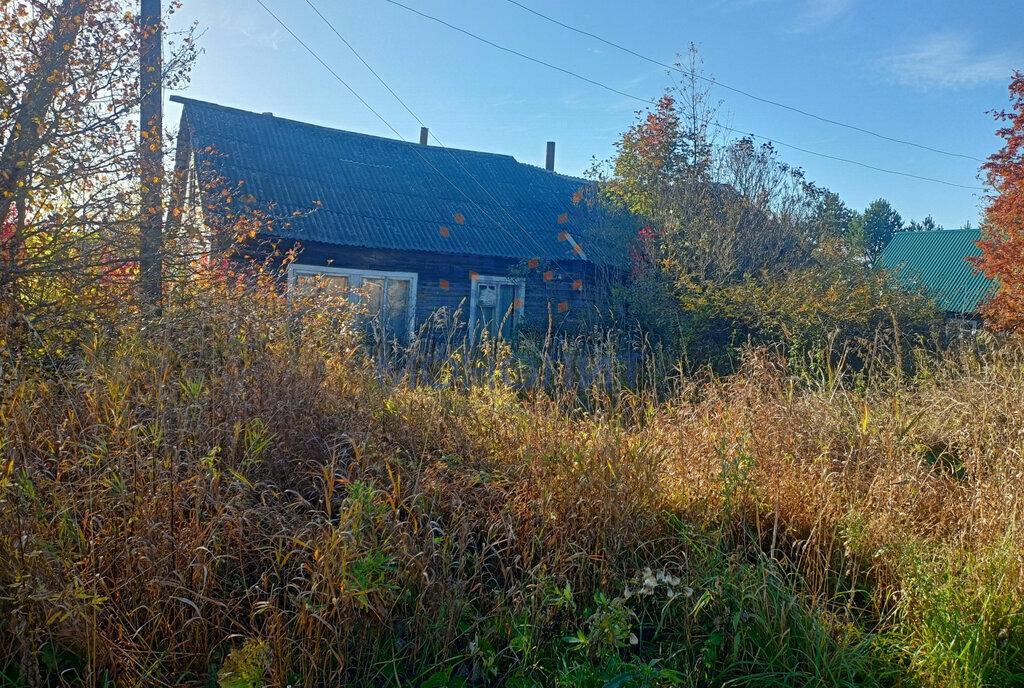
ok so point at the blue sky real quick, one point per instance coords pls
(923, 70)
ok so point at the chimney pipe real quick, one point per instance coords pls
(424, 134)
(549, 164)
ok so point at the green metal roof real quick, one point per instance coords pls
(937, 261)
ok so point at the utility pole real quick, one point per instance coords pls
(151, 151)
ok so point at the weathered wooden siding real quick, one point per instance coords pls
(541, 297)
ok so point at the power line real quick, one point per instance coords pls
(344, 83)
(408, 109)
(852, 162)
(649, 101)
(522, 55)
(740, 91)
(365, 63)
(329, 69)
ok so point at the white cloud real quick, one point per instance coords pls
(809, 14)
(238, 29)
(817, 13)
(258, 37)
(945, 61)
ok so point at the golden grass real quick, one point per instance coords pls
(235, 496)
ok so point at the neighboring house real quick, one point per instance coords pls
(414, 228)
(937, 262)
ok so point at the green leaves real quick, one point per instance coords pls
(245, 666)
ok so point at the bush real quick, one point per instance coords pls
(232, 494)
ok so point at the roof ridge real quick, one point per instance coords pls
(939, 232)
(394, 197)
(183, 100)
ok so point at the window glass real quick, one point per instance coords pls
(388, 300)
(328, 285)
(487, 302)
(507, 294)
(398, 307)
(373, 296)
(494, 300)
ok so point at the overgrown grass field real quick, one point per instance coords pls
(235, 497)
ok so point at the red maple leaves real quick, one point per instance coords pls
(1002, 247)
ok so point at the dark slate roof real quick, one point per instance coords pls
(937, 261)
(388, 194)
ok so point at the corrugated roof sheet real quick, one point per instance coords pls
(937, 261)
(384, 193)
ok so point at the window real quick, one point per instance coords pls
(489, 304)
(389, 297)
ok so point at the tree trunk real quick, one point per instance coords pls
(42, 90)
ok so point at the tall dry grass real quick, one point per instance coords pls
(235, 496)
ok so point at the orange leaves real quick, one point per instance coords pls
(444, 231)
(563, 218)
(79, 61)
(563, 306)
(533, 263)
(459, 219)
(548, 276)
(1002, 248)
(648, 155)
(562, 236)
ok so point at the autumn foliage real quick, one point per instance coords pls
(69, 157)
(1002, 247)
(738, 246)
(232, 492)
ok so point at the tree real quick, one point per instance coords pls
(873, 230)
(926, 225)
(69, 98)
(717, 209)
(648, 159)
(668, 151)
(738, 246)
(831, 217)
(1002, 245)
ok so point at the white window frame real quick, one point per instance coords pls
(355, 281)
(474, 292)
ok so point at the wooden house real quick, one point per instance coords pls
(411, 228)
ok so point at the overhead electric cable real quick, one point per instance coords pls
(649, 101)
(742, 92)
(408, 109)
(397, 133)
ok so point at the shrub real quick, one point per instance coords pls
(232, 494)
